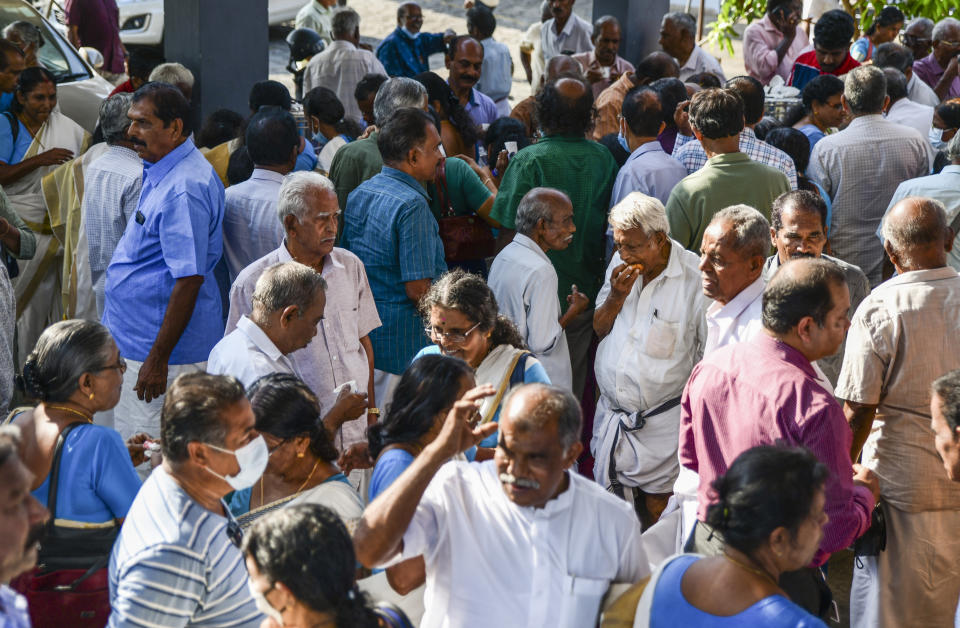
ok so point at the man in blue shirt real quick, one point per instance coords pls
(465, 61)
(405, 51)
(388, 225)
(161, 299)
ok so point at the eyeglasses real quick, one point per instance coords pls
(454, 337)
(910, 40)
(121, 366)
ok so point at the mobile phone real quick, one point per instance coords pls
(511, 148)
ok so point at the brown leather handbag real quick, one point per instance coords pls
(465, 238)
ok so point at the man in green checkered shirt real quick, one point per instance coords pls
(583, 169)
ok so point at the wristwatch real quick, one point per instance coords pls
(373, 411)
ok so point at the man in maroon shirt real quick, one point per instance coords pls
(96, 23)
(766, 390)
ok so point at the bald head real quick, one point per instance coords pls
(537, 407)
(916, 234)
(656, 65)
(565, 107)
(537, 208)
(562, 66)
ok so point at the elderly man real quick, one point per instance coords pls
(798, 230)
(918, 36)
(939, 68)
(650, 317)
(565, 160)
(343, 63)
(729, 176)
(552, 542)
(766, 390)
(464, 61)
(566, 33)
(175, 74)
(96, 23)
(342, 352)
(11, 65)
(496, 74)
(943, 187)
(653, 67)
(831, 50)
(405, 51)
(861, 167)
(525, 282)
(360, 160)
(318, 15)
(111, 186)
(22, 524)
(389, 226)
(692, 155)
(678, 38)
(771, 46)
(904, 335)
(250, 227)
(902, 110)
(649, 170)
(288, 301)
(603, 66)
(162, 304)
(177, 561)
(893, 55)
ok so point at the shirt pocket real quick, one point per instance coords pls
(661, 339)
(349, 329)
(582, 597)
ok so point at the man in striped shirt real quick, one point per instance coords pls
(177, 560)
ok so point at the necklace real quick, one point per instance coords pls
(86, 417)
(759, 572)
(299, 490)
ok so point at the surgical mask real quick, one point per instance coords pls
(252, 459)
(936, 138)
(623, 142)
(410, 33)
(263, 605)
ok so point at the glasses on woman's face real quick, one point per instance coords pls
(456, 337)
(121, 365)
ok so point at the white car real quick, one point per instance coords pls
(141, 21)
(79, 89)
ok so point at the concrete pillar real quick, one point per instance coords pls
(639, 22)
(225, 45)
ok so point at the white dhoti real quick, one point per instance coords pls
(132, 415)
(915, 581)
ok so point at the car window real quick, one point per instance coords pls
(56, 54)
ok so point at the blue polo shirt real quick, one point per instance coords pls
(388, 224)
(402, 55)
(174, 233)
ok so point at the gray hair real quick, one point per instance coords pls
(941, 28)
(9, 443)
(904, 235)
(27, 32)
(295, 190)
(283, 285)
(535, 206)
(683, 21)
(865, 89)
(172, 73)
(65, 351)
(925, 22)
(639, 211)
(556, 403)
(750, 228)
(953, 148)
(345, 22)
(397, 93)
(113, 117)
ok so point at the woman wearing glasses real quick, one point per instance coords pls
(302, 467)
(464, 322)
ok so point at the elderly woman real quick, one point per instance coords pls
(76, 371)
(34, 140)
(26, 36)
(302, 466)
(822, 109)
(769, 512)
(463, 321)
(302, 564)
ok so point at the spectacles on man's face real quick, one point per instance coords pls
(913, 40)
(456, 337)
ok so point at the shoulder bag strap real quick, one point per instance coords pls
(443, 193)
(14, 125)
(55, 470)
(504, 385)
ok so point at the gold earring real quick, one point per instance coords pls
(300, 454)
(91, 396)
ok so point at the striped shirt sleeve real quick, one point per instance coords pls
(162, 587)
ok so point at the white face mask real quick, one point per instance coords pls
(936, 138)
(264, 606)
(410, 33)
(252, 459)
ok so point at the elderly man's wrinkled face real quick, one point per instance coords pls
(948, 46)
(800, 235)
(530, 458)
(946, 439)
(316, 232)
(558, 231)
(917, 39)
(829, 58)
(724, 270)
(636, 247)
(673, 39)
(825, 340)
(300, 328)
(21, 520)
(607, 43)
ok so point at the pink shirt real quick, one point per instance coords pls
(588, 61)
(760, 41)
(760, 392)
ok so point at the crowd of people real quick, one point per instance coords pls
(644, 348)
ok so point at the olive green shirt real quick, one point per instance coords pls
(353, 164)
(727, 179)
(585, 171)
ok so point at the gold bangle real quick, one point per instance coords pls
(487, 180)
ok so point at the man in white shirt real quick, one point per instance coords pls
(343, 63)
(649, 316)
(902, 110)
(525, 283)
(288, 303)
(550, 541)
(566, 32)
(678, 38)
(250, 225)
(317, 14)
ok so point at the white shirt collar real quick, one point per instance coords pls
(736, 306)
(528, 243)
(259, 338)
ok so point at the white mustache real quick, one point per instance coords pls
(507, 478)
